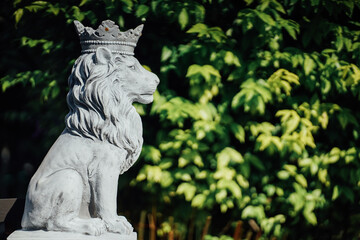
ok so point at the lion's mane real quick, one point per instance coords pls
(98, 110)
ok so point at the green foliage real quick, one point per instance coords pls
(256, 116)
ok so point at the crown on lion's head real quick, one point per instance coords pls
(108, 35)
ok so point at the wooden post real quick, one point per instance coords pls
(249, 235)
(142, 225)
(206, 227)
(152, 226)
(258, 235)
(238, 230)
(152, 223)
(191, 228)
(171, 233)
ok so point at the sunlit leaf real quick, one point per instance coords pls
(183, 18)
(187, 189)
(142, 10)
(18, 14)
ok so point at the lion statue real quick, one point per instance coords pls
(75, 187)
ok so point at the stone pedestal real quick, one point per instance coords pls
(40, 235)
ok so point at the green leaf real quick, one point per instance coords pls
(166, 53)
(36, 6)
(301, 180)
(248, 2)
(187, 189)
(292, 28)
(266, 18)
(309, 214)
(166, 163)
(151, 154)
(311, 218)
(77, 14)
(231, 59)
(228, 155)
(253, 96)
(309, 65)
(18, 14)
(283, 175)
(292, 124)
(238, 131)
(16, 2)
(198, 28)
(221, 195)
(256, 212)
(244, 183)
(153, 173)
(290, 169)
(322, 174)
(198, 201)
(166, 179)
(206, 71)
(183, 18)
(141, 10)
(348, 193)
(255, 161)
(198, 160)
(230, 185)
(201, 29)
(297, 201)
(346, 117)
(83, 2)
(336, 193)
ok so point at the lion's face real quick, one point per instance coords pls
(128, 77)
(135, 81)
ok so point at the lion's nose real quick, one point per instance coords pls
(157, 80)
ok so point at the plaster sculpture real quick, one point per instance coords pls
(75, 187)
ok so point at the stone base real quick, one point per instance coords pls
(40, 234)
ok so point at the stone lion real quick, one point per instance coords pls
(75, 187)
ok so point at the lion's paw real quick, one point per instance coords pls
(119, 225)
(96, 227)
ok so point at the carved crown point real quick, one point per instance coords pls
(108, 35)
(79, 27)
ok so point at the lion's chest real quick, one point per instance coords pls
(136, 127)
(107, 157)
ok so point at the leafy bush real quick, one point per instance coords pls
(256, 117)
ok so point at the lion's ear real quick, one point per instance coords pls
(103, 55)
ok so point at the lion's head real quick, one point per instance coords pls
(103, 87)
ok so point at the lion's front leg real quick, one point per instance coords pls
(104, 189)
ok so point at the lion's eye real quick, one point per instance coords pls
(118, 60)
(132, 67)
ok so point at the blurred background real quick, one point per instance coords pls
(254, 129)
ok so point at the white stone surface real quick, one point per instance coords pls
(75, 188)
(40, 234)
